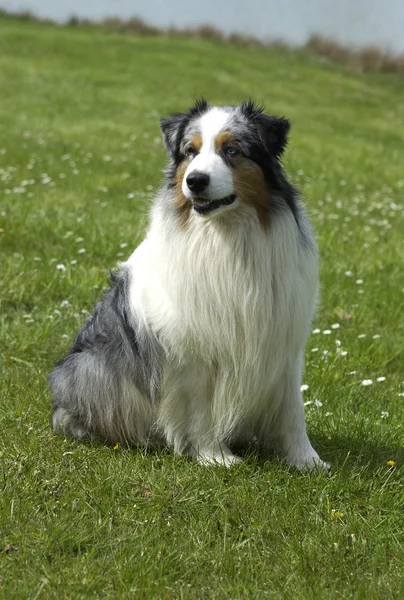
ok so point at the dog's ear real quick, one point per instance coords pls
(174, 126)
(172, 129)
(273, 132)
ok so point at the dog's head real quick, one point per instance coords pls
(223, 156)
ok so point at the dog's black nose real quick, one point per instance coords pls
(197, 182)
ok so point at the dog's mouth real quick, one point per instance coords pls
(203, 205)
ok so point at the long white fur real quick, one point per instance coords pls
(232, 304)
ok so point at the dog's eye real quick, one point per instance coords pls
(190, 150)
(231, 151)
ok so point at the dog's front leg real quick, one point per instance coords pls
(285, 430)
(186, 415)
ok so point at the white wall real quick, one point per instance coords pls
(356, 22)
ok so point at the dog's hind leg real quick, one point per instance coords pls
(93, 399)
(65, 423)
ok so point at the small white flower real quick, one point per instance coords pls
(361, 336)
(37, 259)
(73, 262)
(316, 331)
(381, 379)
(343, 352)
(327, 331)
(384, 414)
(348, 273)
(359, 281)
(81, 251)
(335, 326)
(61, 267)
(131, 195)
(328, 414)
(123, 245)
(401, 394)
(314, 349)
(338, 342)
(352, 373)
(367, 382)
(318, 403)
(325, 352)
(65, 336)
(304, 387)
(376, 336)
(64, 303)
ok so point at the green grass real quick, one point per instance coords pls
(80, 159)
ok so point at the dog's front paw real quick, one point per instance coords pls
(217, 456)
(308, 461)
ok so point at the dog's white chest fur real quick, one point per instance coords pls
(231, 303)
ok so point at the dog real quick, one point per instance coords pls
(198, 343)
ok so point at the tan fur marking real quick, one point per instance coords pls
(223, 139)
(183, 204)
(196, 141)
(251, 187)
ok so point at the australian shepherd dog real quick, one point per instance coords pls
(198, 344)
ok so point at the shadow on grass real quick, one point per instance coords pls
(341, 451)
(350, 451)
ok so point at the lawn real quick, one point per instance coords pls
(80, 160)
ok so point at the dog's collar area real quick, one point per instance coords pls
(203, 205)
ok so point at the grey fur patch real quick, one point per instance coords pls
(107, 384)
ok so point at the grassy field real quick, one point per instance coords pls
(80, 160)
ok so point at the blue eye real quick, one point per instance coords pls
(231, 151)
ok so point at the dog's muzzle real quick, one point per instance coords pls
(203, 205)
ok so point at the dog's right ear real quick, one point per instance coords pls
(172, 129)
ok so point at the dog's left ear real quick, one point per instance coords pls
(273, 132)
(171, 129)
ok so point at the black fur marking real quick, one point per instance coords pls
(110, 355)
(265, 149)
(112, 331)
(249, 108)
(173, 128)
(200, 106)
